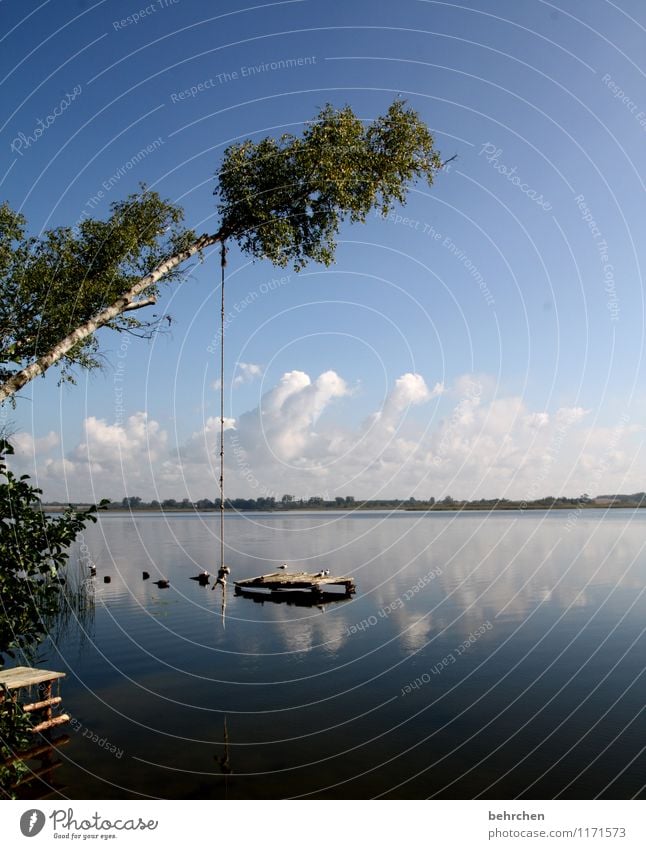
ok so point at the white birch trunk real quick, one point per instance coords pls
(125, 302)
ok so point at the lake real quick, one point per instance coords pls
(483, 656)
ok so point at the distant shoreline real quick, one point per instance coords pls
(401, 508)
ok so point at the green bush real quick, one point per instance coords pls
(33, 553)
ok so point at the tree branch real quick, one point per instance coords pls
(124, 303)
(137, 305)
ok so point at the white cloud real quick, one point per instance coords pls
(462, 440)
(246, 373)
(26, 444)
(410, 390)
(136, 440)
(283, 426)
(111, 459)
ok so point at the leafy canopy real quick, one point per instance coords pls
(52, 284)
(280, 199)
(285, 199)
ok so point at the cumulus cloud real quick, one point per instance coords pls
(461, 440)
(110, 459)
(139, 438)
(283, 426)
(246, 373)
(409, 390)
(25, 443)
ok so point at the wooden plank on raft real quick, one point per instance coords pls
(296, 581)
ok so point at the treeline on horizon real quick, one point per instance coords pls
(291, 502)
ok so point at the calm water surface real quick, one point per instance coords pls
(494, 656)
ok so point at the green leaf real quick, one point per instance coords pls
(285, 200)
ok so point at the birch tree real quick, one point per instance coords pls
(282, 199)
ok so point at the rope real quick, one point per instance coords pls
(223, 262)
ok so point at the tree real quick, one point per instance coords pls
(279, 199)
(57, 290)
(33, 550)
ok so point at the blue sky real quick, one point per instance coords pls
(520, 272)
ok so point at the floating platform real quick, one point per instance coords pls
(279, 583)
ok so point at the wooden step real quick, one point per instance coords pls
(55, 700)
(51, 723)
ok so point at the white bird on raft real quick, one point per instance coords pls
(284, 566)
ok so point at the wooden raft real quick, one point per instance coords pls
(297, 582)
(21, 677)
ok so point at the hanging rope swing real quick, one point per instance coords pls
(319, 584)
(223, 570)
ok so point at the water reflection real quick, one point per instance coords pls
(537, 616)
(296, 599)
(38, 768)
